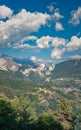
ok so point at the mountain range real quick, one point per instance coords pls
(27, 68)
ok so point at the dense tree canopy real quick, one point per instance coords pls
(7, 116)
(19, 114)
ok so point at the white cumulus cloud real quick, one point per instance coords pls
(58, 42)
(28, 38)
(74, 44)
(33, 58)
(40, 61)
(58, 26)
(5, 12)
(21, 25)
(76, 16)
(59, 45)
(57, 53)
(43, 42)
(57, 16)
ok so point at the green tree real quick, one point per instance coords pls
(7, 116)
(25, 111)
(47, 122)
(77, 117)
(64, 114)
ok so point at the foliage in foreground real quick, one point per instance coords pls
(19, 114)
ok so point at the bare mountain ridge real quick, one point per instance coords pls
(8, 64)
(64, 69)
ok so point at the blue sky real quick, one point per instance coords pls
(41, 29)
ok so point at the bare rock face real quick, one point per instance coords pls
(8, 64)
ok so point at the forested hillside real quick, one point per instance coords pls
(20, 114)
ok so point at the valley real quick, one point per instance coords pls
(45, 85)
